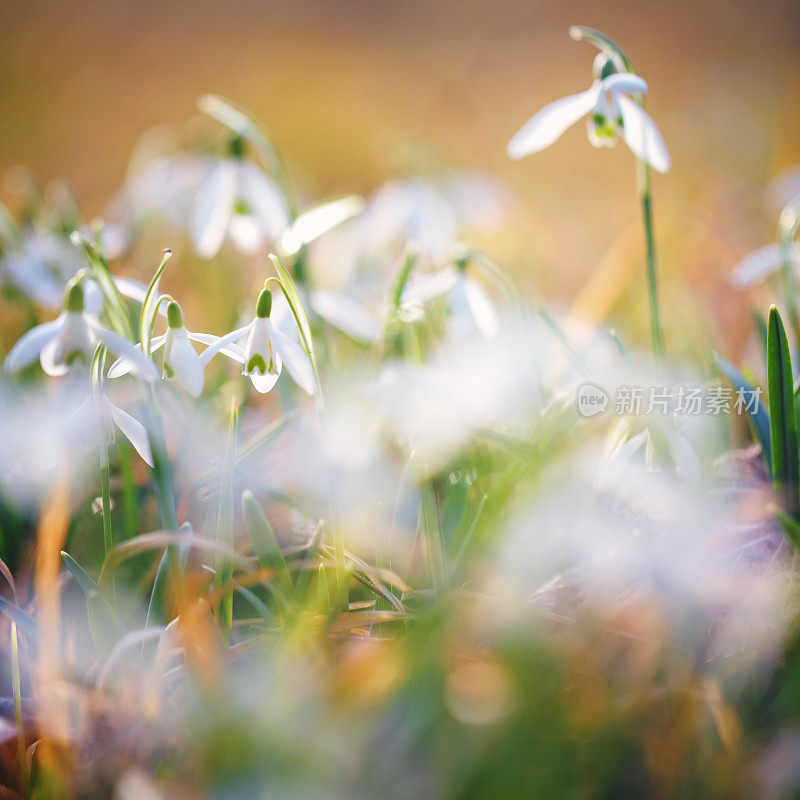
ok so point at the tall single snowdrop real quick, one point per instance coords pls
(614, 104)
(238, 200)
(262, 350)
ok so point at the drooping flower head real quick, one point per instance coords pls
(71, 339)
(612, 112)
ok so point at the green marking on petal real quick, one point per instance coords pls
(257, 363)
(74, 299)
(168, 371)
(241, 207)
(174, 315)
(74, 356)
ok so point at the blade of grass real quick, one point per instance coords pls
(783, 420)
(224, 568)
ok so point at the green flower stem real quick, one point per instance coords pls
(624, 64)
(787, 229)
(170, 570)
(16, 690)
(105, 492)
(646, 196)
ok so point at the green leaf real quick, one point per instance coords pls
(265, 546)
(24, 621)
(147, 315)
(298, 311)
(105, 626)
(783, 420)
(224, 567)
(114, 304)
(758, 418)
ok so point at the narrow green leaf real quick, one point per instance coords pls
(224, 567)
(298, 312)
(24, 621)
(783, 420)
(265, 545)
(147, 316)
(759, 418)
(323, 592)
(114, 304)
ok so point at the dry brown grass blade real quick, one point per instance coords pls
(51, 706)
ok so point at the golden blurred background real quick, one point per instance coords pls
(341, 84)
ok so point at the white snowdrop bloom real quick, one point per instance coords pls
(469, 303)
(40, 264)
(72, 338)
(111, 418)
(266, 349)
(761, 263)
(238, 200)
(181, 360)
(611, 112)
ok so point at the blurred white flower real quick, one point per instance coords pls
(612, 112)
(40, 264)
(73, 338)
(111, 418)
(468, 302)
(240, 201)
(265, 350)
(761, 263)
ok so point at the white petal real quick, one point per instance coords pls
(31, 344)
(757, 266)
(347, 314)
(314, 221)
(133, 430)
(185, 363)
(245, 231)
(685, 456)
(625, 82)
(642, 135)
(425, 288)
(132, 289)
(212, 209)
(263, 383)
(34, 279)
(547, 125)
(481, 308)
(220, 344)
(264, 199)
(122, 366)
(295, 360)
(140, 364)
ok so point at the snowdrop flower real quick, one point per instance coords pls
(265, 350)
(181, 360)
(611, 112)
(40, 265)
(761, 263)
(111, 419)
(72, 338)
(469, 304)
(238, 200)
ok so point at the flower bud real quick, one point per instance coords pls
(174, 315)
(264, 306)
(236, 147)
(603, 66)
(73, 301)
